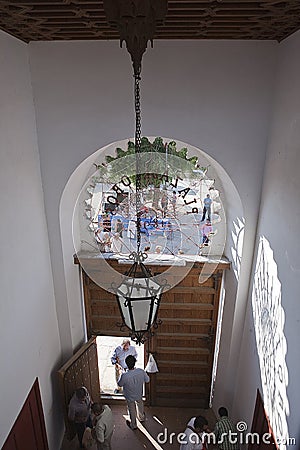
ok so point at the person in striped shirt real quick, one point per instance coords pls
(225, 432)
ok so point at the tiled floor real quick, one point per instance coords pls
(154, 433)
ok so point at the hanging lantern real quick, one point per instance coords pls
(139, 294)
(138, 298)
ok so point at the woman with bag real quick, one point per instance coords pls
(80, 411)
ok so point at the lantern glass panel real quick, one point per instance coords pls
(137, 295)
(125, 310)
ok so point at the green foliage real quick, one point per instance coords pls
(156, 146)
(164, 159)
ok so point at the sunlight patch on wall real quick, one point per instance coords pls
(269, 318)
(237, 236)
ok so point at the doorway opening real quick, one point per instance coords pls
(105, 348)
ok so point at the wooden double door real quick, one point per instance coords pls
(183, 345)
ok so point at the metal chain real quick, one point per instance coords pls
(137, 144)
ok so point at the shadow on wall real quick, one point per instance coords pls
(269, 318)
(237, 236)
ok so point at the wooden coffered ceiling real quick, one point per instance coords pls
(48, 20)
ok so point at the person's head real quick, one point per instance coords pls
(158, 249)
(208, 196)
(130, 361)
(223, 412)
(126, 344)
(208, 222)
(200, 423)
(97, 408)
(81, 393)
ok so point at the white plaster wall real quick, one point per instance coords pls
(29, 340)
(217, 98)
(279, 223)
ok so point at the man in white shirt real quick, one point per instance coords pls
(103, 426)
(132, 382)
(193, 434)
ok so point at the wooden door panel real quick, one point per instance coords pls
(80, 370)
(184, 343)
(29, 431)
(261, 426)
